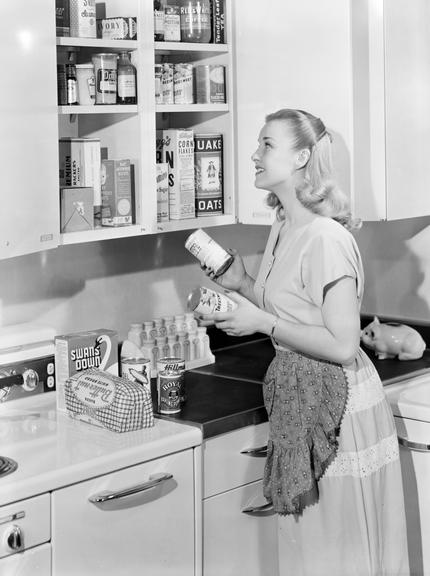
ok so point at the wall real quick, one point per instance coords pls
(113, 283)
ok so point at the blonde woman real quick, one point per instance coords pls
(332, 471)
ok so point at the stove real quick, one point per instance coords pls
(7, 466)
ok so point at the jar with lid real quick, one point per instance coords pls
(127, 93)
(105, 73)
(196, 20)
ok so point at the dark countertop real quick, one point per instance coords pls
(227, 395)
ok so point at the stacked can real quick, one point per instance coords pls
(183, 84)
(167, 83)
(170, 385)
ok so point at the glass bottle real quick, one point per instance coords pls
(204, 346)
(171, 341)
(158, 20)
(135, 334)
(185, 345)
(72, 81)
(196, 21)
(126, 79)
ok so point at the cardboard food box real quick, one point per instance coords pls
(80, 166)
(208, 169)
(76, 209)
(176, 148)
(116, 193)
(162, 192)
(80, 351)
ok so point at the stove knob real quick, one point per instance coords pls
(30, 380)
(15, 538)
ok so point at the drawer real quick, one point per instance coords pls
(29, 520)
(233, 459)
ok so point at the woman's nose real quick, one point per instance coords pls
(254, 156)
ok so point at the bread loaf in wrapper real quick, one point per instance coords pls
(115, 403)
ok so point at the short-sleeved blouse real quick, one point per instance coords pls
(298, 264)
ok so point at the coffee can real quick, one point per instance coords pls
(206, 301)
(183, 84)
(208, 252)
(137, 370)
(169, 384)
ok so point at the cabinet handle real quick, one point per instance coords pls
(107, 496)
(263, 510)
(414, 446)
(260, 452)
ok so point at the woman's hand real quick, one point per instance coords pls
(245, 319)
(234, 278)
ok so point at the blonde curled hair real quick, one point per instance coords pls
(318, 192)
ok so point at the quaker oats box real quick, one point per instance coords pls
(83, 350)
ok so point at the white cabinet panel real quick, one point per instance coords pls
(236, 543)
(33, 562)
(150, 533)
(29, 212)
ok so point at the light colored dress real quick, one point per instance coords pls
(357, 527)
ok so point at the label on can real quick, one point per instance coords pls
(183, 84)
(167, 83)
(206, 301)
(105, 72)
(137, 370)
(176, 365)
(169, 385)
(208, 252)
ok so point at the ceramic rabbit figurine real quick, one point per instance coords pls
(390, 340)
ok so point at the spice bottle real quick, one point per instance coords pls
(158, 20)
(72, 84)
(172, 21)
(196, 21)
(126, 77)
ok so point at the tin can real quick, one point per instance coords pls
(208, 252)
(206, 301)
(167, 83)
(169, 392)
(137, 370)
(105, 73)
(158, 72)
(177, 365)
(210, 84)
(183, 84)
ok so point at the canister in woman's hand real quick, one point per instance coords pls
(209, 252)
(206, 301)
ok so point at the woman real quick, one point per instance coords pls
(332, 470)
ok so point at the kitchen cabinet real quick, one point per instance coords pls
(150, 531)
(29, 216)
(364, 68)
(239, 531)
(129, 131)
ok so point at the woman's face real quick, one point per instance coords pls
(275, 158)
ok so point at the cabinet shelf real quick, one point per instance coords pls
(191, 108)
(97, 43)
(99, 109)
(169, 47)
(191, 223)
(105, 233)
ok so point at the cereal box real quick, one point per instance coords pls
(208, 169)
(176, 147)
(116, 193)
(162, 192)
(80, 351)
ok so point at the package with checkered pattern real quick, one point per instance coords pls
(106, 400)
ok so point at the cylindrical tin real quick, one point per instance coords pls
(169, 392)
(158, 71)
(206, 301)
(183, 84)
(210, 84)
(176, 365)
(137, 370)
(167, 83)
(105, 73)
(208, 252)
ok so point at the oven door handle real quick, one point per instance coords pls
(260, 452)
(414, 446)
(107, 496)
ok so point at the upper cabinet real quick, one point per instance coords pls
(29, 217)
(364, 68)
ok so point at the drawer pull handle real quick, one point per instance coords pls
(263, 510)
(260, 452)
(414, 446)
(107, 496)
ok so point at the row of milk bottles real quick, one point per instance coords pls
(176, 336)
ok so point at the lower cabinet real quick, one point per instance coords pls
(239, 529)
(136, 521)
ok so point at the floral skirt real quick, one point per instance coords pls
(356, 525)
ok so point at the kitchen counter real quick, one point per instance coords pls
(228, 395)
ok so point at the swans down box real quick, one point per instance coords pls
(80, 351)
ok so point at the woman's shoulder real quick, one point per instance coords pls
(324, 226)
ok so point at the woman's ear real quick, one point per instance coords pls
(302, 158)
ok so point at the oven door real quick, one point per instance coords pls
(33, 562)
